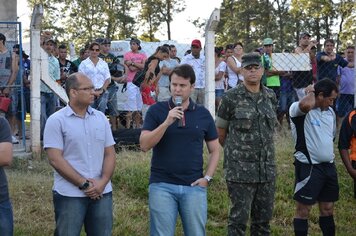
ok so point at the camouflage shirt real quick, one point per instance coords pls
(249, 120)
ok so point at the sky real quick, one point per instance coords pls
(182, 30)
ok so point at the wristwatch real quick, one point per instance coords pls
(84, 185)
(208, 178)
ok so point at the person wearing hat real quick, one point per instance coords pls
(48, 98)
(135, 62)
(245, 122)
(271, 76)
(116, 76)
(197, 61)
(301, 79)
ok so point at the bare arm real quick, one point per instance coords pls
(346, 160)
(151, 68)
(222, 136)
(308, 102)
(149, 139)
(5, 153)
(232, 65)
(14, 71)
(57, 161)
(214, 154)
(219, 75)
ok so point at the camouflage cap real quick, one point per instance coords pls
(253, 58)
(267, 41)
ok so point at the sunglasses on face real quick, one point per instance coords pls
(250, 67)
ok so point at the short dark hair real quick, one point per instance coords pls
(238, 43)
(71, 83)
(229, 46)
(219, 50)
(186, 71)
(3, 38)
(329, 41)
(167, 46)
(93, 44)
(162, 49)
(326, 86)
(82, 51)
(350, 47)
(62, 46)
(172, 46)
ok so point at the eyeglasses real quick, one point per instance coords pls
(250, 67)
(95, 49)
(86, 89)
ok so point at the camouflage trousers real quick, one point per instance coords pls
(250, 198)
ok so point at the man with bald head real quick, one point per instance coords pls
(79, 145)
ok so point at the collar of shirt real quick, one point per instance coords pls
(69, 111)
(191, 106)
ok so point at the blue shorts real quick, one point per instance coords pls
(219, 93)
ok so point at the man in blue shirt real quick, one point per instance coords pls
(176, 132)
(328, 61)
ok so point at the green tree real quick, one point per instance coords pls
(346, 10)
(156, 12)
(83, 21)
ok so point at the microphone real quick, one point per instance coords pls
(179, 101)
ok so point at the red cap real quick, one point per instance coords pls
(196, 42)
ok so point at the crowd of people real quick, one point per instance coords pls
(252, 98)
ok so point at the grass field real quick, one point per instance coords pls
(31, 182)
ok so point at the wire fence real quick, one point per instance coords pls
(14, 82)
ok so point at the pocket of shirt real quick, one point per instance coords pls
(99, 134)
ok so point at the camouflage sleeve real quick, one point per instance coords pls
(224, 112)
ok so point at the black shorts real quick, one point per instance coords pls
(322, 186)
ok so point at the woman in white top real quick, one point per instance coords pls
(234, 66)
(220, 68)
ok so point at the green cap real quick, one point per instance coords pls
(268, 41)
(252, 58)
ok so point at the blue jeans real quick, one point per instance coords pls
(285, 100)
(72, 212)
(6, 219)
(48, 107)
(167, 200)
(101, 102)
(112, 100)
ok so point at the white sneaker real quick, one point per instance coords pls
(14, 140)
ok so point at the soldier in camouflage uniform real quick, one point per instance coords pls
(245, 120)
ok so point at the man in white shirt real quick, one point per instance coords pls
(197, 61)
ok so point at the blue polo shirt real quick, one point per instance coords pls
(178, 156)
(328, 69)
